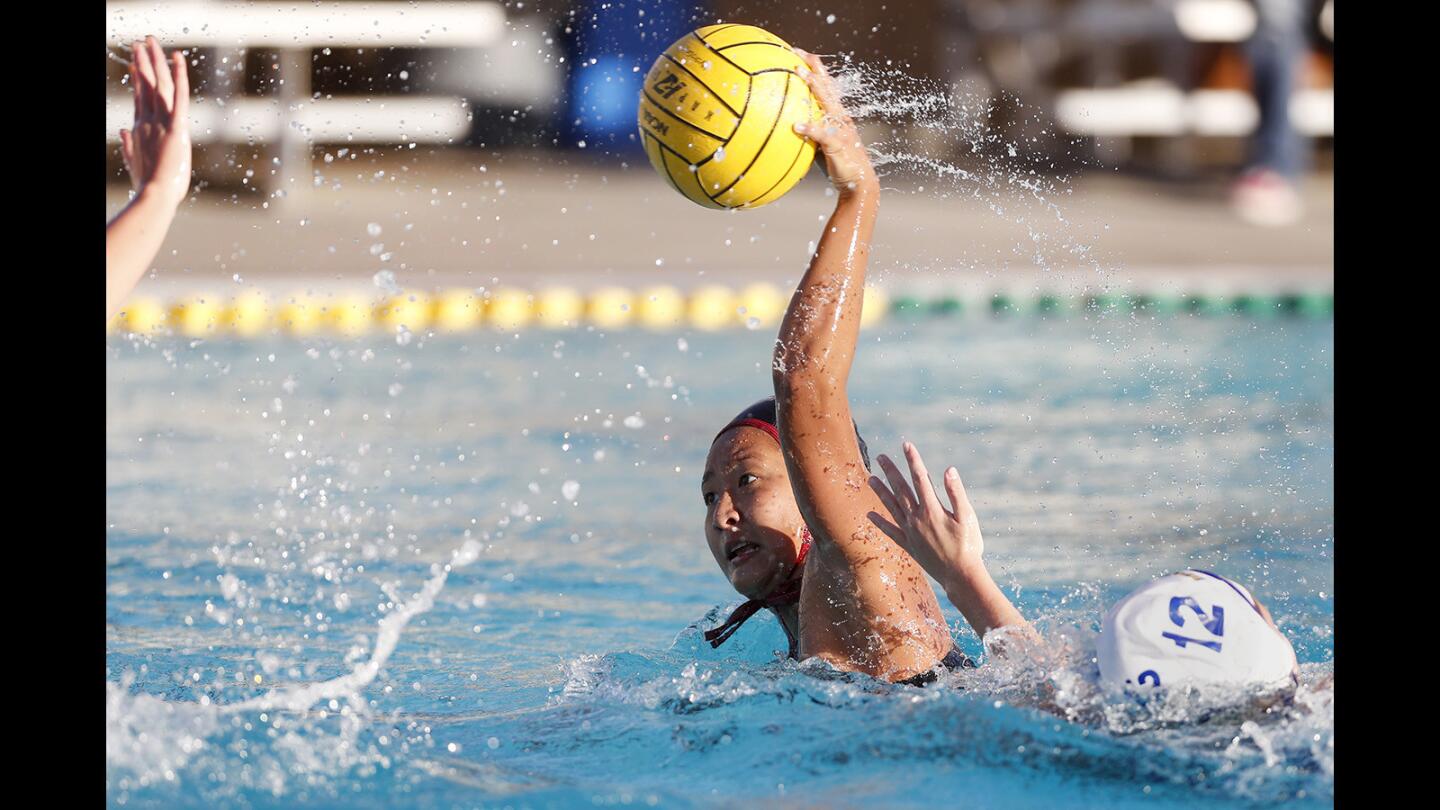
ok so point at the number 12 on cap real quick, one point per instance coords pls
(1215, 626)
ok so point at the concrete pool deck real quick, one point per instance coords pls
(473, 219)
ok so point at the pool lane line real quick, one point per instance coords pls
(342, 313)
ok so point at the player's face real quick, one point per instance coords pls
(752, 523)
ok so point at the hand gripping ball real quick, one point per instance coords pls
(717, 116)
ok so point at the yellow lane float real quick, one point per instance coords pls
(459, 310)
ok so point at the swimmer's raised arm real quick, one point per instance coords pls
(946, 542)
(864, 604)
(157, 156)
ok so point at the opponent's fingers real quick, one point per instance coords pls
(886, 497)
(959, 501)
(903, 496)
(890, 529)
(144, 79)
(163, 84)
(921, 478)
(135, 88)
(137, 84)
(182, 90)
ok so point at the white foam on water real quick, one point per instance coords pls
(1241, 737)
(148, 740)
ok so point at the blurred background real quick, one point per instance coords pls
(465, 142)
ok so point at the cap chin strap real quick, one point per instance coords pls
(787, 593)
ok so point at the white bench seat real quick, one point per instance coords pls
(307, 25)
(1158, 108)
(379, 119)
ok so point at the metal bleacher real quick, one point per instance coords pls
(294, 118)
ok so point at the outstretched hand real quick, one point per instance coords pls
(945, 542)
(156, 149)
(846, 161)
(157, 156)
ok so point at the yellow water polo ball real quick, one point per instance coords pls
(717, 115)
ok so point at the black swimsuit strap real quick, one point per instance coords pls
(952, 660)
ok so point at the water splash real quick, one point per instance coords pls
(1039, 707)
(936, 131)
(150, 740)
(385, 280)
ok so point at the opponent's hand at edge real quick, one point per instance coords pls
(156, 149)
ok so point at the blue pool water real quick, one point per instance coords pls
(276, 510)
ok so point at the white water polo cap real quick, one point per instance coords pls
(1193, 627)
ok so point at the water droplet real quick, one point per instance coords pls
(373, 229)
(570, 489)
(385, 280)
